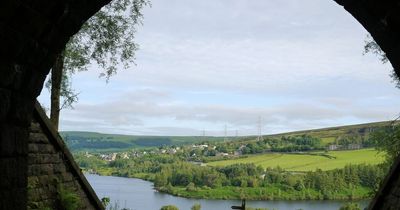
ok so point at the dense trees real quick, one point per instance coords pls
(172, 174)
(327, 183)
(284, 144)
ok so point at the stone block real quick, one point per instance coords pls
(40, 169)
(59, 168)
(32, 159)
(13, 140)
(33, 148)
(5, 102)
(46, 169)
(41, 148)
(21, 140)
(34, 170)
(21, 111)
(67, 177)
(35, 128)
(45, 158)
(33, 182)
(7, 140)
(44, 179)
(38, 138)
(34, 195)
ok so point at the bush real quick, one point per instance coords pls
(196, 206)
(69, 200)
(350, 206)
(169, 207)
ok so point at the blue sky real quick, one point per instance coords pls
(204, 64)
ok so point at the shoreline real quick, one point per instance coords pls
(178, 191)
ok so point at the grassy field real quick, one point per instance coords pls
(309, 162)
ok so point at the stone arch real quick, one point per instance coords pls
(32, 33)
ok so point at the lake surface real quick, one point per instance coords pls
(137, 194)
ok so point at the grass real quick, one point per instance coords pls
(309, 162)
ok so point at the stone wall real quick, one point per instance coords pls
(32, 33)
(50, 166)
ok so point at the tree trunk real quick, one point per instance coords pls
(56, 77)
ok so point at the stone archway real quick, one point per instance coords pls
(34, 32)
(31, 34)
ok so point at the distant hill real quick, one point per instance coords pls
(330, 134)
(93, 141)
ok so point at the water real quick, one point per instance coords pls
(137, 194)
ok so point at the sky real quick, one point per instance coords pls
(206, 64)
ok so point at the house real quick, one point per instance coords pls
(333, 147)
(354, 146)
(224, 154)
(124, 155)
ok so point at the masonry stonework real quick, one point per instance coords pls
(50, 166)
(32, 33)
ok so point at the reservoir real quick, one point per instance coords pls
(137, 194)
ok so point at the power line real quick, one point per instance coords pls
(259, 128)
(225, 134)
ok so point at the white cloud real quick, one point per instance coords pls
(206, 63)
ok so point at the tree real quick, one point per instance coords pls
(196, 206)
(387, 141)
(107, 38)
(169, 207)
(105, 201)
(350, 206)
(372, 47)
(191, 187)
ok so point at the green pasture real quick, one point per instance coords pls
(310, 161)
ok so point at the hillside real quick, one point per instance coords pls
(309, 161)
(93, 141)
(331, 133)
(80, 140)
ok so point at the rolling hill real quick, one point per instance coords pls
(93, 141)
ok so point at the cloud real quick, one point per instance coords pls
(204, 64)
(134, 111)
